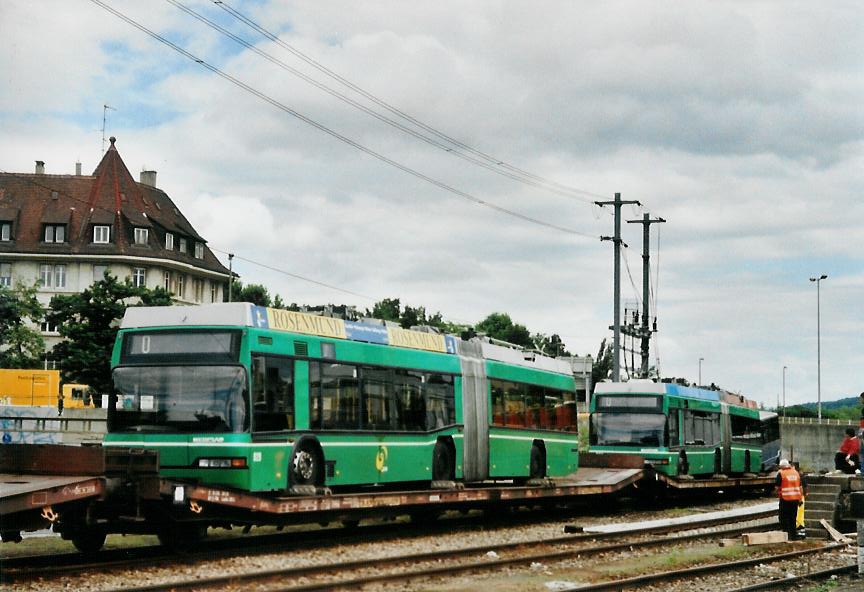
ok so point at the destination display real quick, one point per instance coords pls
(309, 324)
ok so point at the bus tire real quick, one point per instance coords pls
(306, 466)
(537, 467)
(89, 541)
(442, 462)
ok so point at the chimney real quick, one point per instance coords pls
(40, 167)
(77, 169)
(148, 178)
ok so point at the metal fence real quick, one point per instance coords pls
(814, 421)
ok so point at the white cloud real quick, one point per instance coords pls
(739, 123)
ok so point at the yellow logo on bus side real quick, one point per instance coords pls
(381, 459)
(299, 322)
(415, 339)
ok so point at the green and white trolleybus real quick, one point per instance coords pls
(265, 399)
(683, 430)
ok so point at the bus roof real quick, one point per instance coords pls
(649, 387)
(244, 314)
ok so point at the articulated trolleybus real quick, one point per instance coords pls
(683, 431)
(262, 399)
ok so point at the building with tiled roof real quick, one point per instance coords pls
(64, 231)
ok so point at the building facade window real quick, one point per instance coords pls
(59, 276)
(5, 231)
(182, 245)
(199, 250)
(141, 236)
(181, 286)
(214, 291)
(101, 234)
(52, 276)
(166, 280)
(139, 277)
(198, 289)
(169, 241)
(6, 275)
(47, 327)
(99, 272)
(55, 233)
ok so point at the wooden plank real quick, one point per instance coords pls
(611, 461)
(764, 538)
(834, 533)
(51, 459)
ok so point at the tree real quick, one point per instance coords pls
(602, 364)
(254, 293)
(89, 323)
(23, 345)
(550, 346)
(500, 326)
(387, 310)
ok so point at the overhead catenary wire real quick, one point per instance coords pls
(279, 105)
(491, 160)
(520, 177)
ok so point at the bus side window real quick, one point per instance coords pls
(672, 433)
(273, 393)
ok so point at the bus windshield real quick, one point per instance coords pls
(184, 399)
(628, 429)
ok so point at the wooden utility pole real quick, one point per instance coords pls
(616, 327)
(645, 332)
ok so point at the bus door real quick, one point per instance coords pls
(475, 413)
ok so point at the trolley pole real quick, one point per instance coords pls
(616, 327)
(645, 334)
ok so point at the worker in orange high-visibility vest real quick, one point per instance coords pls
(790, 488)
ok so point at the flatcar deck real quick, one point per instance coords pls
(21, 492)
(587, 481)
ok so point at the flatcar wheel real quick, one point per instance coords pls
(442, 463)
(538, 463)
(304, 468)
(89, 541)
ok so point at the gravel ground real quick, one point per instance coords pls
(537, 577)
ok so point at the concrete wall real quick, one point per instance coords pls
(41, 425)
(810, 443)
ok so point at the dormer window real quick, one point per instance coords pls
(141, 235)
(101, 234)
(5, 231)
(182, 245)
(54, 233)
(169, 241)
(199, 250)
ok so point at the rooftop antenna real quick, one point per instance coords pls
(104, 119)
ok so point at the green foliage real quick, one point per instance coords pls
(23, 344)
(500, 326)
(254, 293)
(602, 364)
(89, 323)
(550, 346)
(388, 309)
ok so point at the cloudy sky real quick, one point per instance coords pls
(740, 123)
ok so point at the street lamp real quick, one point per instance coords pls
(818, 346)
(784, 391)
(700, 371)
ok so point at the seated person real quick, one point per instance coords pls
(847, 458)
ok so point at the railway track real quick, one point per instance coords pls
(450, 562)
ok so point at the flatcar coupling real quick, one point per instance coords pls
(50, 515)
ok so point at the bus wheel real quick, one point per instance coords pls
(538, 463)
(305, 465)
(89, 541)
(442, 462)
(683, 464)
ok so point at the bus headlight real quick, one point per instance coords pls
(222, 463)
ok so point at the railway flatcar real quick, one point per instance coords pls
(683, 431)
(264, 399)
